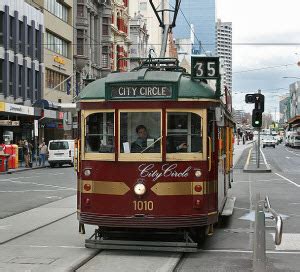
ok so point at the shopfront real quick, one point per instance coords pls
(16, 122)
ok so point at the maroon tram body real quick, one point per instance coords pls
(156, 190)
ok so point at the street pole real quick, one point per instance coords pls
(258, 142)
(258, 148)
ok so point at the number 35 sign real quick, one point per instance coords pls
(205, 67)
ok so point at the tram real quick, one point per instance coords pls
(154, 156)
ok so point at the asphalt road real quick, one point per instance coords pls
(26, 190)
(56, 245)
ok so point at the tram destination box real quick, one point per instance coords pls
(140, 91)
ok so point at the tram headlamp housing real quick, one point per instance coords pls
(139, 189)
(198, 174)
(87, 172)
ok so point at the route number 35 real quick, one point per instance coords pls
(205, 67)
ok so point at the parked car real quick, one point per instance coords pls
(295, 140)
(61, 152)
(269, 141)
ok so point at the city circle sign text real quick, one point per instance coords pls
(135, 92)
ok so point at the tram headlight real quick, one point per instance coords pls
(139, 189)
(198, 173)
(87, 172)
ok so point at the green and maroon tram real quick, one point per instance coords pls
(154, 154)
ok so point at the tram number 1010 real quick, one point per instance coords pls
(143, 205)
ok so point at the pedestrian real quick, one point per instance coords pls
(26, 153)
(43, 152)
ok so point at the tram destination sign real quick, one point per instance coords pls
(141, 91)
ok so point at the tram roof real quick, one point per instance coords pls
(187, 88)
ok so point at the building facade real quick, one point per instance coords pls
(202, 14)
(139, 38)
(295, 98)
(93, 39)
(154, 31)
(120, 35)
(21, 57)
(284, 109)
(224, 50)
(21, 68)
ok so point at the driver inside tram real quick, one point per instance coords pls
(145, 142)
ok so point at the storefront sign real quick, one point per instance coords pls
(59, 60)
(49, 114)
(14, 108)
(9, 123)
(135, 91)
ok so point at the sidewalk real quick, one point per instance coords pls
(23, 168)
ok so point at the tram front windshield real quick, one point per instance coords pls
(141, 132)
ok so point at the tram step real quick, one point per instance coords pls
(141, 245)
(228, 207)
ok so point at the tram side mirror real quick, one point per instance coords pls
(219, 113)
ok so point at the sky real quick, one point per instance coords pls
(263, 21)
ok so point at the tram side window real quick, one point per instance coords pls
(100, 133)
(184, 132)
(140, 132)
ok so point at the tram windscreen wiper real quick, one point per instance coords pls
(151, 144)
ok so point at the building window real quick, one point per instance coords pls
(11, 31)
(80, 11)
(56, 44)
(143, 6)
(57, 9)
(80, 46)
(56, 80)
(1, 75)
(11, 78)
(105, 26)
(105, 56)
(20, 81)
(1, 28)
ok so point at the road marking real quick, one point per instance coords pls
(264, 157)
(289, 241)
(292, 152)
(5, 227)
(288, 158)
(50, 197)
(26, 191)
(288, 180)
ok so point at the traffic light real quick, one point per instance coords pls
(256, 118)
(258, 99)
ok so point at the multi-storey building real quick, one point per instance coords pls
(295, 98)
(202, 14)
(21, 68)
(93, 39)
(139, 38)
(224, 50)
(21, 30)
(154, 31)
(284, 109)
(120, 35)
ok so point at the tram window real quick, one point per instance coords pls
(140, 132)
(184, 132)
(100, 133)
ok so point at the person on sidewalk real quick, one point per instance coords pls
(43, 152)
(27, 149)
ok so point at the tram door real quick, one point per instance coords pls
(212, 154)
